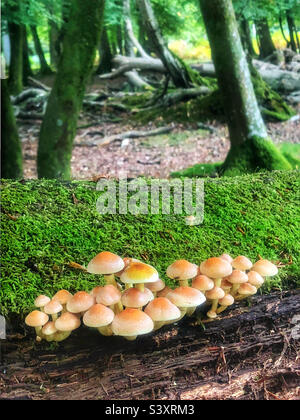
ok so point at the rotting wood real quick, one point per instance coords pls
(250, 353)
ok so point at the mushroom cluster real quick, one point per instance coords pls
(135, 301)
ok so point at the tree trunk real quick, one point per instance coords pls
(246, 37)
(105, 64)
(82, 36)
(16, 58)
(250, 147)
(180, 75)
(27, 72)
(54, 44)
(44, 68)
(291, 26)
(11, 151)
(266, 45)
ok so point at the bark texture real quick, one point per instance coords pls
(250, 353)
(15, 80)
(82, 36)
(266, 45)
(11, 152)
(246, 127)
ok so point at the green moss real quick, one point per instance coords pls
(198, 170)
(43, 230)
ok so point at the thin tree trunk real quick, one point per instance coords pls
(105, 64)
(250, 147)
(11, 151)
(82, 36)
(266, 45)
(291, 26)
(44, 67)
(246, 37)
(282, 31)
(179, 73)
(54, 44)
(16, 58)
(27, 72)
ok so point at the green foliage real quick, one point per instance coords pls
(43, 229)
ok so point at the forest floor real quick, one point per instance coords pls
(156, 156)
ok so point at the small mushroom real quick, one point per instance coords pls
(186, 298)
(162, 310)
(226, 257)
(65, 324)
(245, 290)
(37, 319)
(156, 286)
(255, 279)
(236, 279)
(203, 283)
(214, 295)
(108, 264)
(131, 322)
(53, 308)
(100, 317)
(215, 268)
(139, 273)
(62, 296)
(226, 301)
(135, 298)
(265, 268)
(49, 330)
(182, 270)
(242, 263)
(41, 301)
(108, 295)
(80, 302)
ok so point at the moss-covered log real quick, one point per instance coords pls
(48, 224)
(244, 120)
(11, 151)
(81, 38)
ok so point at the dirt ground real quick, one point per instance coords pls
(155, 156)
(250, 353)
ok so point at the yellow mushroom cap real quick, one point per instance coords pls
(41, 301)
(227, 300)
(139, 272)
(226, 257)
(98, 316)
(53, 307)
(36, 319)
(237, 276)
(80, 302)
(105, 263)
(49, 328)
(215, 268)
(156, 286)
(162, 309)
(265, 268)
(127, 261)
(255, 278)
(247, 289)
(67, 322)
(107, 295)
(186, 297)
(62, 296)
(134, 298)
(182, 270)
(132, 322)
(215, 293)
(242, 263)
(203, 283)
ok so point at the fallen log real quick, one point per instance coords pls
(127, 135)
(249, 353)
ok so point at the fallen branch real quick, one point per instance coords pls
(127, 135)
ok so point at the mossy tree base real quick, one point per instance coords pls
(255, 154)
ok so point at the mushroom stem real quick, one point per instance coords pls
(215, 302)
(54, 317)
(191, 310)
(140, 286)
(234, 289)
(105, 330)
(118, 307)
(39, 333)
(130, 338)
(110, 279)
(221, 309)
(184, 283)
(128, 285)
